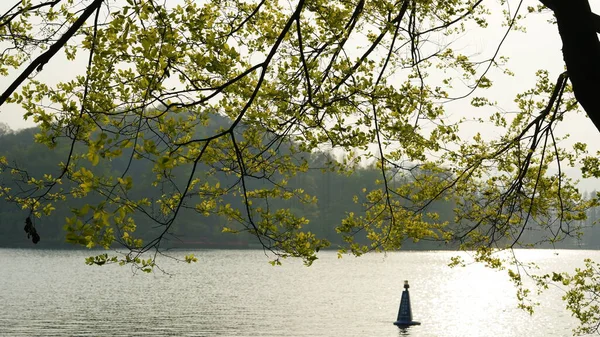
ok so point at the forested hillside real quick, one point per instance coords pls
(338, 194)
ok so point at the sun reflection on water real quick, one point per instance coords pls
(478, 301)
(237, 293)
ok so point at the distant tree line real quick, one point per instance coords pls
(591, 237)
(337, 195)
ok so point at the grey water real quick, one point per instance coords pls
(237, 293)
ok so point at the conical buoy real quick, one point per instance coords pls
(405, 312)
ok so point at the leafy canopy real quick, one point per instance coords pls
(364, 79)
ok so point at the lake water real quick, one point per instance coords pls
(237, 293)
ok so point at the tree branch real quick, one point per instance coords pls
(41, 60)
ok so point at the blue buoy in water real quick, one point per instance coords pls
(405, 312)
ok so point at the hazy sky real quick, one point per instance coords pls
(538, 48)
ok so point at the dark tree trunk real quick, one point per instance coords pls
(577, 26)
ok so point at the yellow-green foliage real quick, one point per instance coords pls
(290, 79)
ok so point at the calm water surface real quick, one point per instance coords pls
(237, 293)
